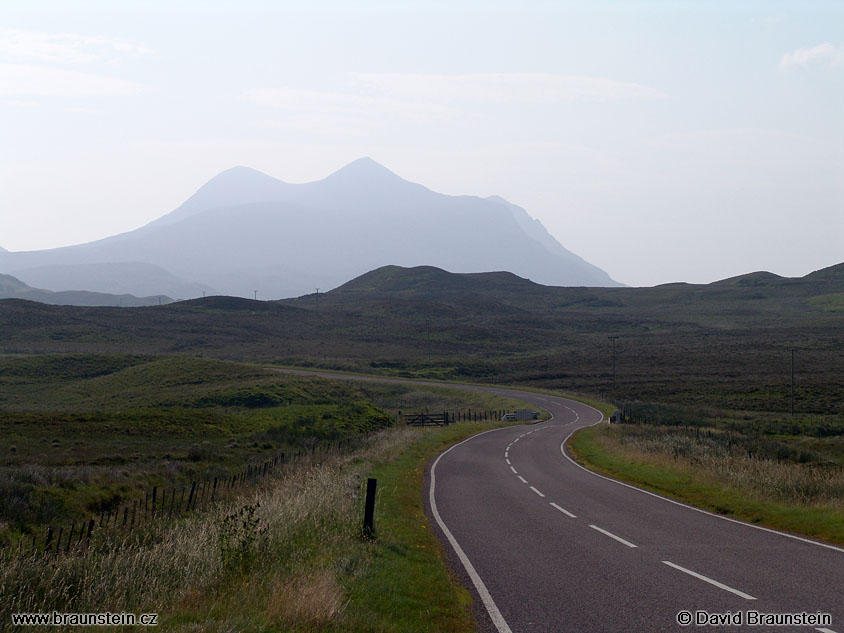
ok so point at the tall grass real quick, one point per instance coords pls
(281, 554)
(763, 466)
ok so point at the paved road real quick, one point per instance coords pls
(547, 546)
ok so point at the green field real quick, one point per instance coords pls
(97, 405)
(85, 433)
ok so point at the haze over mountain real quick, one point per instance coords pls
(12, 288)
(245, 231)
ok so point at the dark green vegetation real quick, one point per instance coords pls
(287, 555)
(84, 433)
(133, 408)
(725, 344)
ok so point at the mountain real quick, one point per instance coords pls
(3, 250)
(245, 231)
(13, 288)
(119, 278)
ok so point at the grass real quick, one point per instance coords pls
(714, 471)
(287, 556)
(725, 344)
(85, 433)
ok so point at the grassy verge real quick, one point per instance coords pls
(407, 587)
(799, 498)
(287, 556)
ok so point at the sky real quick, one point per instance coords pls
(661, 141)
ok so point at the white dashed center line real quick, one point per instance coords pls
(537, 492)
(515, 472)
(563, 510)
(524, 481)
(613, 536)
(709, 580)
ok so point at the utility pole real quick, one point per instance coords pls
(256, 294)
(317, 299)
(792, 381)
(613, 338)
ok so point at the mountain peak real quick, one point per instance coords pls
(3, 250)
(364, 169)
(236, 185)
(239, 176)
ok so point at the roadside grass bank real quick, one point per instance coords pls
(90, 434)
(749, 478)
(288, 555)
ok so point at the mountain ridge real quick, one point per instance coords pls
(244, 230)
(13, 288)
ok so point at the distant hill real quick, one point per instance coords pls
(13, 288)
(3, 250)
(244, 231)
(113, 278)
(722, 344)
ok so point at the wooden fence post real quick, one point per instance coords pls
(369, 509)
(154, 499)
(190, 497)
(48, 542)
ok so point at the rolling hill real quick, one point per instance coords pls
(723, 344)
(13, 288)
(244, 231)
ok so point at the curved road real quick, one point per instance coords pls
(548, 546)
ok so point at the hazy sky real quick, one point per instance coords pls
(661, 141)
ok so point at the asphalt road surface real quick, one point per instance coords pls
(548, 546)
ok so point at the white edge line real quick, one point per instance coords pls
(537, 492)
(709, 580)
(491, 608)
(524, 481)
(686, 505)
(612, 536)
(563, 510)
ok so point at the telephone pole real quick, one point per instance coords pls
(317, 299)
(613, 338)
(256, 294)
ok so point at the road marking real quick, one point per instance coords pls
(524, 481)
(508, 461)
(824, 630)
(709, 580)
(563, 510)
(685, 505)
(611, 535)
(506, 453)
(491, 608)
(537, 492)
(514, 470)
